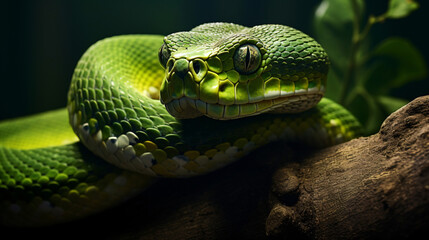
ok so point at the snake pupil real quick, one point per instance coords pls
(247, 59)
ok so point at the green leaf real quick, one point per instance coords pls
(395, 62)
(364, 107)
(333, 28)
(333, 86)
(401, 8)
(390, 104)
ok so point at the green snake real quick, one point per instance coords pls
(175, 106)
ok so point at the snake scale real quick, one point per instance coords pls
(175, 106)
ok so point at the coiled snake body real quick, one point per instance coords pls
(123, 111)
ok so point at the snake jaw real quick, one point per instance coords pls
(194, 87)
(184, 108)
(228, 95)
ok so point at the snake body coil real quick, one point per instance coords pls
(214, 72)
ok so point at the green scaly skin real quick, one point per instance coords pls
(114, 111)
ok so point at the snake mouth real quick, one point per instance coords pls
(213, 86)
(185, 107)
(186, 98)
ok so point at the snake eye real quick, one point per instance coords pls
(163, 55)
(247, 59)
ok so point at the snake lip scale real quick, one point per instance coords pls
(151, 105)
(309, 98)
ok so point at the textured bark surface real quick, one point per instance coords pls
(370, 187)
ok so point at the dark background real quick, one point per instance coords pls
(41, 41)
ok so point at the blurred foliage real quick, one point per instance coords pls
(363, 76)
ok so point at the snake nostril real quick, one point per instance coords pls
(170, 65)
(198, 69)
(197, 66)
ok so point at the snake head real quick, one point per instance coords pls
(227, 71)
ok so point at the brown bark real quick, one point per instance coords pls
(370, 187)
